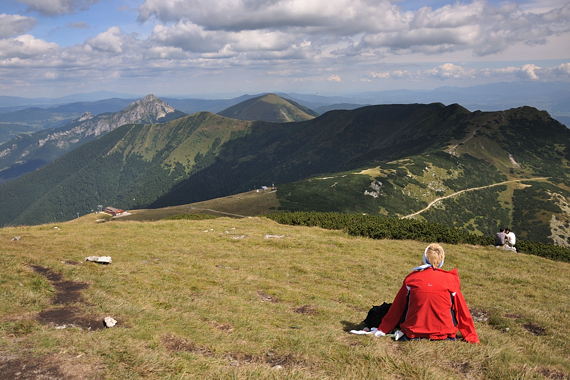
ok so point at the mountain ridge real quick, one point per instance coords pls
(390, 160)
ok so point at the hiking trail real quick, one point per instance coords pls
(470, 189)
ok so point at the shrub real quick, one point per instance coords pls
(379, 227)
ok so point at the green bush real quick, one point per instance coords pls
(549, 251)
(379, 227)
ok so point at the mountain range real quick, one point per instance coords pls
(28, 152)
(553, 97)
(473, 170)
(34, 116)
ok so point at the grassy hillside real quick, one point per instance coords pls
(288, 152)
(249, 298)
(129, 166)
(473, 170)
(437, 194)
(269, 107)
(205, 156)
(507, 168)
(251, 203)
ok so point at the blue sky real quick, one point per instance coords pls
(52, 48)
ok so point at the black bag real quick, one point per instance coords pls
(375, 315)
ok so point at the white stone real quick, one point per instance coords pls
(109, 322)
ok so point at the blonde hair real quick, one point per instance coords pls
(435, 255)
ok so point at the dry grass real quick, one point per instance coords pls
(249, 298)
(251, 203)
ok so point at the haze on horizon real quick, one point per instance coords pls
(61, 47)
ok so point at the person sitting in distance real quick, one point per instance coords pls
(511, 239)
(500, 238)
(429, 304)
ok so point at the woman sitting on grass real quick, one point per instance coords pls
(429, 304)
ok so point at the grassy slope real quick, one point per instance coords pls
(151, 167)
(252, 203)
(133, 161)
(220, 299)
(492, 148)
(271, 108)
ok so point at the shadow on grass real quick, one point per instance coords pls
(347, 325)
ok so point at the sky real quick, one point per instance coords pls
(53, 48)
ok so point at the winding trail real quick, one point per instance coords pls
(471, 135)
(471, 189)
(219, 212)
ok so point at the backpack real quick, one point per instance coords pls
(375, 315)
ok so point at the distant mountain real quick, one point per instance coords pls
(28, 152)
(476, 171)
(104, 101)
(553, 97)
(94, 97)
(31, 120)
(191, 106)
(95, 107)
(34, 118)
(10, 130)
(338, 106)
(13, 101)
(269, 107)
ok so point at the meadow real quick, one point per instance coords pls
(250, 298)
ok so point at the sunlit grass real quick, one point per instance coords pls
(249, 298)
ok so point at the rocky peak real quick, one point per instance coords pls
(149, 98)
(86, 116)
(149, 106)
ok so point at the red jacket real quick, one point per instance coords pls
(430, 305)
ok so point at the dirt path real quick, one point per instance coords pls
(64, 313)
(452, 149)
(219, 212)
(471, 189)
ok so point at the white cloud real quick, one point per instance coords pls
(477, 26)
(110, 41)
(58, 7)
(351, 27)
(529, 72)
(25, 47)
(562, 70)
(383, 75)
(450, 71)
(257, 44)
(188, 37)
(13, 25)
(312, 16)
(166, 53)
(357, 40)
